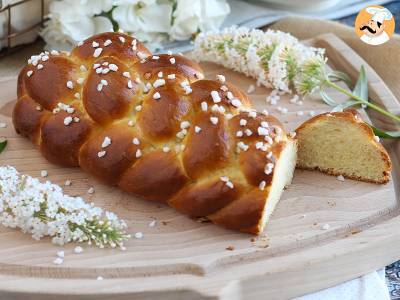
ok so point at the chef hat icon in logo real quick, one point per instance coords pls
(375, 25)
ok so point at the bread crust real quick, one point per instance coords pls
(152, 126)
(352, 116)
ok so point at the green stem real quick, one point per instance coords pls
(362, 101)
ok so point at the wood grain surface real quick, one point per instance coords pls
(179, 258)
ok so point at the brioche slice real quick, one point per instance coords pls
(340, 143)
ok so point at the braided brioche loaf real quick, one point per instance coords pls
(152, 126)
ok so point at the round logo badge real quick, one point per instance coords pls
(374, 25)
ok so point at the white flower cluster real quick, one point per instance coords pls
(274, 58)
(43, 210)
(151, 21)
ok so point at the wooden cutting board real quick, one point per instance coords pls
(180, 258)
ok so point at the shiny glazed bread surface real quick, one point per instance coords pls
(152, 126)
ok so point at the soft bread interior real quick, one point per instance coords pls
(340, 147)
(283, 174)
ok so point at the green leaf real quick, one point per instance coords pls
(3, 145)
(361, 87)
(385, 134)
(345, 105)
(328, 100)
(342, 77)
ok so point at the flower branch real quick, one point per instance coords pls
(279, 61)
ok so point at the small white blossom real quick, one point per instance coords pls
(251, 89)
(138, 235)
(78, 249)
(326, 227)
(58, 261)
(340, 178)
(221, 78)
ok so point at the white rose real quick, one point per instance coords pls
(71, 23)
(146, 19)
(193, 15)
(55, 38)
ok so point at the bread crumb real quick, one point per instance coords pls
(230, 248)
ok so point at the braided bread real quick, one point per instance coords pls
(154, 127)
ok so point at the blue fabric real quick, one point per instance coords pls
(393, 280)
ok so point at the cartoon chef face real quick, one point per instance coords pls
(372, 28)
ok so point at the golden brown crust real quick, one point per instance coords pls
(119, 155)
(28, 118)
(152, 126)
(48, 87)
(243, 214)
(352, 116)
(198, 200)
(160, 120)
(115, 99)
(157, 176)
(208, 151)
(60, 144)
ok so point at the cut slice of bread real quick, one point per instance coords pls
(340, 143)
(283, 176)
